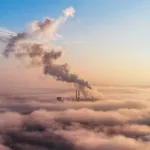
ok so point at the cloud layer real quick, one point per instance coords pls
(122, 123)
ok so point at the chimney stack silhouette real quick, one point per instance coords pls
(77, 94)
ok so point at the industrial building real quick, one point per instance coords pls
(77, 98)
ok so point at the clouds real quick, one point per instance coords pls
(98, 141)
(76, 129)
(29, 122)
(5, 34)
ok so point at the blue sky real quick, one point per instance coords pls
(111, 36)
(15, 14)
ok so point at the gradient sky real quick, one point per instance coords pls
(108, 40)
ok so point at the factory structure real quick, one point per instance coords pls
(77, 98)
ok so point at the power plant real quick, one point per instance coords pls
(77, 98)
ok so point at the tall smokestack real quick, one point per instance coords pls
(76, 94)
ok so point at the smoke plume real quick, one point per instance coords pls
(37, 47)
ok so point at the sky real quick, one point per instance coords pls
(107, 40)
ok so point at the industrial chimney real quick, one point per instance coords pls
(77, 94)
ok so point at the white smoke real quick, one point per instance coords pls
(38, 48)
(5, 35)
(69, 11)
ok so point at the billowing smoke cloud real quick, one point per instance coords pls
(87, 92)
(38, 49)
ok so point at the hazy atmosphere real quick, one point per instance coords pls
(74, 75)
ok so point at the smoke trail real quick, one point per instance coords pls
(87, 92)
(36, 45)
(61, 72)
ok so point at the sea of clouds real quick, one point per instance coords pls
(33, 121)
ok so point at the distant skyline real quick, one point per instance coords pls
(107, 40)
